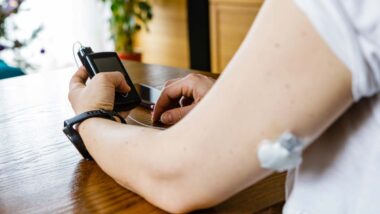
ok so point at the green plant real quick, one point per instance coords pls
(128, 17)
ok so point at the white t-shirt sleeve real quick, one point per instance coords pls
(352, 30)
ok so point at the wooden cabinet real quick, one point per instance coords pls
(167, 42)
(230, 20)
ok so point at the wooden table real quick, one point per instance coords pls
(41, 172)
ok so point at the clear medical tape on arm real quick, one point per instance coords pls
(283, 154)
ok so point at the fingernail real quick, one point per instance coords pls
(167, 118)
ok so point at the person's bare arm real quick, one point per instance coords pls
(284, 77)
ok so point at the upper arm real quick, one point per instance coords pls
(283, 78)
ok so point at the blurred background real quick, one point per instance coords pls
(39, 35)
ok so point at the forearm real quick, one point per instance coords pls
(150, 162)
(169, 168)
(125, 152)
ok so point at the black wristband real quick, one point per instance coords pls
(73, 134)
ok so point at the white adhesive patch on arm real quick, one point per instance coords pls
(283, 154)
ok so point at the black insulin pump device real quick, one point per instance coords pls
(106, 62)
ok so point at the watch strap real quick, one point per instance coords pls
(73, 134)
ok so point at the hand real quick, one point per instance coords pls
(99, 93)
(179, 96)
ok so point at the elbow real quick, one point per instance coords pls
(181, 200)
(175, 207)
(183, 193)
(178, 194)
(166, 198)
(174, 183)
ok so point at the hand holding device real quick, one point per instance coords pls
(99, 93)
(180, 96)
(96, 99)
(100, 62)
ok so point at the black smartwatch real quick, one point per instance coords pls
(73, 134)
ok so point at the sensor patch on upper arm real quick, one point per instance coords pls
(283, 154)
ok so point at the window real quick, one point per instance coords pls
(64, 22)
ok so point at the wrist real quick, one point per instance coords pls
(95, 120)
(73, 127)
(116, 118)
(86, 123)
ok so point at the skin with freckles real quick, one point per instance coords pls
(283, 78)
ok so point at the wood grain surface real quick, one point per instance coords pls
(41, 172)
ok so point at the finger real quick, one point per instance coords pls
(171, 93)
(116, 79)
(174, 103)
(169, 82)
(174, 115)
(119, 81)
(79, 78)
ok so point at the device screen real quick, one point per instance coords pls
(108, 64)
(111, 64)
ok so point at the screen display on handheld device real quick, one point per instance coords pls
(109, 64)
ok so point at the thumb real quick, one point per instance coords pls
(118, 80)
(174, 115)
(123, 87)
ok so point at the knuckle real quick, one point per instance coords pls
(117, 74)
(193, 82)
(193, 76)
(167, 83)
(101, 76)
(203, 77)
(116, 77)
(180, 113)
(176, 115)
(172, 81)
(164, 91)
